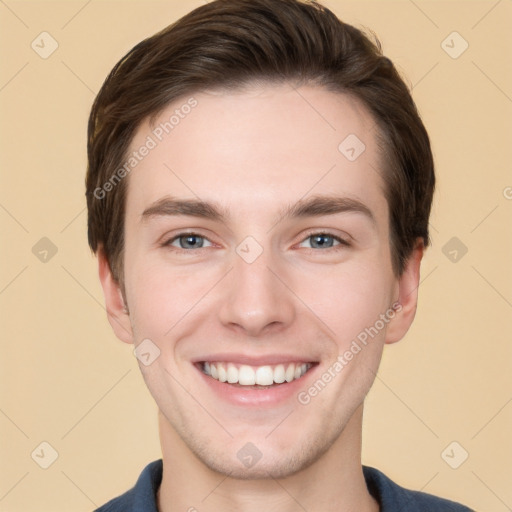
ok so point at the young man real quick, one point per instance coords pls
(259, 188)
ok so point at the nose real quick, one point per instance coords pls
(256, 299)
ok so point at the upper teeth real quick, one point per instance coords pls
(262, 375)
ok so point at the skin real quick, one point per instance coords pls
(255, 151)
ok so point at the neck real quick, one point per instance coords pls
(334, 482)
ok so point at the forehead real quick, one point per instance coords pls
(257, 148)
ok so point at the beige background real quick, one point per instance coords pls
(66, 380)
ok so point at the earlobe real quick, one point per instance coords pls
(117, 312)
(408, 296)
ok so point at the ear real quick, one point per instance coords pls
(407, 301)
(117, 313)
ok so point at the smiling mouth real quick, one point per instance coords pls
(255, 376)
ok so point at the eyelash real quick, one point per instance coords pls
(342, 243)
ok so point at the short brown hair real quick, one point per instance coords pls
(232, 43)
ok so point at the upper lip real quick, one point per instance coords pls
(261, 360)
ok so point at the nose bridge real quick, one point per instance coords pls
(255, 297)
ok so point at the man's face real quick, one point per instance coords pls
(259, 294)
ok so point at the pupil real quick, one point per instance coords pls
(321, 240)
(191, 241)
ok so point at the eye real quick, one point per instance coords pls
(187, 241)
(325, 241)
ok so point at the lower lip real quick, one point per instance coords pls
(252, 396)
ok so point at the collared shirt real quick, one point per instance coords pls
(390, 496)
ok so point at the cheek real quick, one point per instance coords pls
(349, 302)
(161, 296)
(149, 295)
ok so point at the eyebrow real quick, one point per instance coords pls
(315, 206)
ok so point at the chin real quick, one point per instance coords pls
(249, 463)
